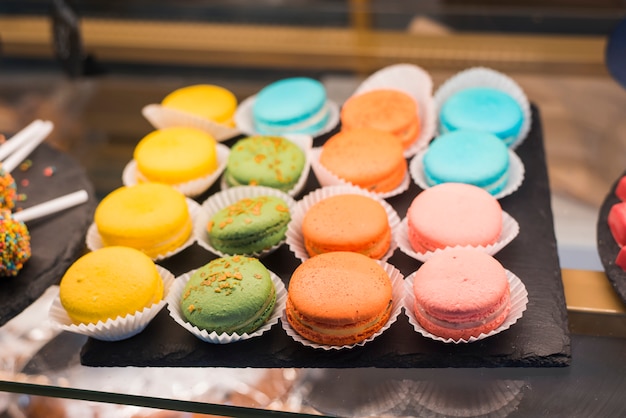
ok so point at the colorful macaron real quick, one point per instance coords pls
(249, 225)
(338, 298)
(109, 283)
(387, 110)
(153, 218)
(471, 157)
(484, 109)
(206, 101)
(367, 158)
(271, 161)
(289, 106)
(453, 214)
(175, 155)
(229, 295)
(461, 293)
(347, 222)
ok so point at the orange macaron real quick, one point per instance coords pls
(366, 157)
(387, 110)
(347, 222)
(339, 298)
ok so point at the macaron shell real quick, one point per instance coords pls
(176, 155)
(110, 282)
(460, 287)
(338, 290)
(249, 225)
(365, 157)
(482, 109)
(230, 294)
(347, 222)
(289, 101)
(387, 110)
(207, 101)
(471, 157)
(452, 214)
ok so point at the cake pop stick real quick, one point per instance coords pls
(40, 133)
(15, 237)
(52, 206)
(27, 142)
(20, 138)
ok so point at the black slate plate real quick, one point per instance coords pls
(539, 339)
(56, 240)
(607, 246)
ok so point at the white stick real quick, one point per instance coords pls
(52, 206)
(24, 151)
(19, 138)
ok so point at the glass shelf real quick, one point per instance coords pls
(98, 121)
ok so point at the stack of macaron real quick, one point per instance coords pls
(343, 218)
(341, 299)
(455, 215)
(463, 295)
(186, 158)
(244, 220)
(110, 293)
(364, 157)
(294, 105)
(208, 107)
(228, 299)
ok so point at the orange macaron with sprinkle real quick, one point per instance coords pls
(368, 158)
(339, 298)
(387, 110)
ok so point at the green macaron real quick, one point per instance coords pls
(229, 295)
(270, 161)
(249, 226)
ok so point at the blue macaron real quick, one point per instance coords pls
(291, 105)
(482, 109)
(470, 157)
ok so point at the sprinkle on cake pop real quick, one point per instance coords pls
(14, 244)
(7, 190)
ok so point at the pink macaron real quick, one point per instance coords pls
(453, 214)
(461, 293)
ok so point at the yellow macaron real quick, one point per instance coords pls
(151, 217)
(175, 155)
(108, 283)
(207, 101)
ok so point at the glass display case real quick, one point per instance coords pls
(92, 67)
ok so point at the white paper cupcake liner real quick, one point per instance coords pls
(519, 300)
(510, 229)
(326, 178)
(116, 329)
(245, 121)
(94, 240)
(305, 142)
(397, 295)
(173, 306)
(192, 188)
(162, 117)
(227, 197)
(515, 180)
(295, 240)
(486, 77)
(418, 84)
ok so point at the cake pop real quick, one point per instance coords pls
(14, 244)
(15, 237)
